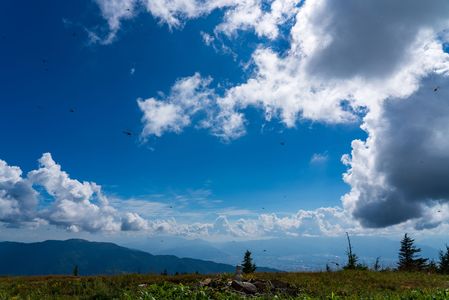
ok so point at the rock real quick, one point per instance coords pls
(246, 287)
(284, 287)
(206, 282)
(263, 285)
(238, 273)
(280, 284)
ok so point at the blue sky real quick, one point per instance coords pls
(70, 81)
(95, 81)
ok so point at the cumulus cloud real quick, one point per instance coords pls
(18, 200)
(81, 206)
(73, 205)
(263, 17)
(308, 82)
(401, 171)
(133, 222)
(173, 112)
(346, 60)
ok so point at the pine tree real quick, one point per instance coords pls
(247, 264)
(75, 270)
(376, 266)
(408, 256)
(443, 264)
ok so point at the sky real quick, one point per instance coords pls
(223, 119)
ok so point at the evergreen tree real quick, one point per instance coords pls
(75, 270)
(432, 267)
(443, 264)
(247, 264)
(376, 266)
(408, 256)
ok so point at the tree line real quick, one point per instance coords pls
(409, 259)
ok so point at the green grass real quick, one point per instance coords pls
(337, 285)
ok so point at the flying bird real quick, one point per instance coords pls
(282, 143)
(436, 89)
(336, 263)
(127, 132)
(72, 110)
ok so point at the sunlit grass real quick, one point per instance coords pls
(335, 285)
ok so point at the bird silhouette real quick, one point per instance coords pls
(436, 89)
(72, 110)
(127, 132)
(282, 143)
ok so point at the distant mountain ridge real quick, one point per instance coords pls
(94, 258)
(287, 254)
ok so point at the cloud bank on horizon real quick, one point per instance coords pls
(380, 62)
(47, 196)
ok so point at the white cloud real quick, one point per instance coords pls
(306, 83)
(319, 158)
(208, 39)
(82, 207)
(114, 11)
(263, 17)
(18, 200)
(74, 205)
(401, 171)
(345, 60)
(172, 113)
(133, 222)
(78, 206)
(160, 117)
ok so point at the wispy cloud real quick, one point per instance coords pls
(319, 158)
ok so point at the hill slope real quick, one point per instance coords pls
(92, 258)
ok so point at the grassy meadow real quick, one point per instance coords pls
(332, 285)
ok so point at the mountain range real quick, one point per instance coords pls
(287, 254)
(94, 258)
